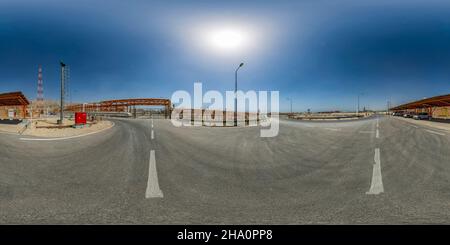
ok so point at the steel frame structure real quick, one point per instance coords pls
(120, 105)
(15, 99)
(437, 101)
(428, 104)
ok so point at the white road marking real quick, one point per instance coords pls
(153, 135)
(378, 131)
(333, 129)
(414, 126)
(376, 187)
(434, 132)
(365, 132)
(65, 138)
(152, 183)
(4, 132)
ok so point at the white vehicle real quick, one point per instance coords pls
(422, 116)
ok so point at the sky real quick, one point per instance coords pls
(322, 54)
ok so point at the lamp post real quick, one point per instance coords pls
(235, 93)
(290, 99)
(357, 111)
(84, 107)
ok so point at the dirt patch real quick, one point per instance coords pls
(36, 130)
(330, 116)
(8, 128)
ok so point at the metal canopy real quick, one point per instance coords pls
(443, 100)
(13, 99)
(119, 105)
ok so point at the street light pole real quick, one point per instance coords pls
(357, 110)
(290, 100)
(61, 112)
(291, 105)
(388, 107)
(235, 93)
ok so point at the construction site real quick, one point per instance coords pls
(48, 117)
(124, 161)
(132, 149)
(208, 116)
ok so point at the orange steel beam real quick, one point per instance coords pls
(119, 105)
(13, 99)
(445, 102)
(437, 101)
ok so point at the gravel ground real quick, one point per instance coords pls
(10, 128)
(65, 132)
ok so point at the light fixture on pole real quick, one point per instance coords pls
(290, 100)
(235, 93)
(357, 111)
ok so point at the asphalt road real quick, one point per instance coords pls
(311, 173)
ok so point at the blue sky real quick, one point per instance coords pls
(320, 53)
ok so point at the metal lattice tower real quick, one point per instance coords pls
(40, 87)
(67, 89)
(63, 93)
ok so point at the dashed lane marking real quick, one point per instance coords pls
(333, 129)
(365, 132)
(434, 132)
(153, 189)
(376, 187)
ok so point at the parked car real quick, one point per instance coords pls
(407, 115)
(397, 114)
(422, 116)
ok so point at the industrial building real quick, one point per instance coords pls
(13, 105)
(438, 107)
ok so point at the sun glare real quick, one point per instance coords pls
(227, 39)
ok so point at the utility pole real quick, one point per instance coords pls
(61, 109)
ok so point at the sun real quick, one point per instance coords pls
(227, 39)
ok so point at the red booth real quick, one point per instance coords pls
(80, 118)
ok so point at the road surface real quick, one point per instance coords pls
(377, 171)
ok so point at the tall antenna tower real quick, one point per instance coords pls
(40, 90)
(67, 87)
(63, 92)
